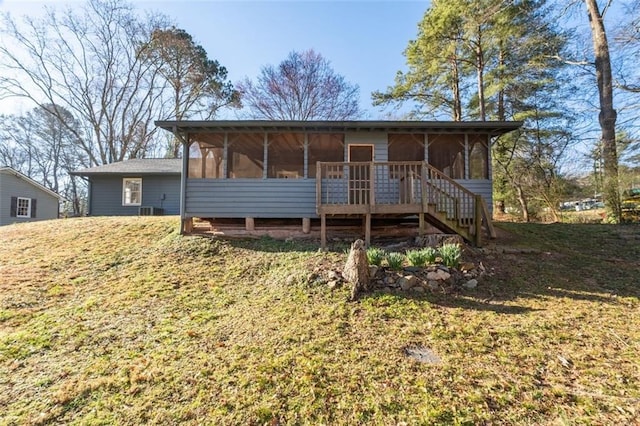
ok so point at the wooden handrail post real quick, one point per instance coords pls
(477, 220)
(318, 185)
(372, 185)
(423, 187)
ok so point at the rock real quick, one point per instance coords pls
(442, 275)
(373, 270)
(433, 276)
(356, 270)
(433, 285)
(467, 266)
(412, 268)
(408, 282)
(417, 289)
(473, 283)
(333, 284)
(334, 275)
(389, 280)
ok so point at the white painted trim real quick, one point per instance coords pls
(28, 215)
(124, 186)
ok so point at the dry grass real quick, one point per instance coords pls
(122, 321)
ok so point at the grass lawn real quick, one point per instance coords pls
(124, 321)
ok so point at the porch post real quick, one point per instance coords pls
(323, 231)
(477, 220)
(186, 225)
(367, 229)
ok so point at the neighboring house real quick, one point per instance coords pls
(24, 200)
(148, 186)
(439, 171)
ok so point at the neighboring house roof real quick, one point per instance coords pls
(138, 166)
(494, 128)
(10, 171)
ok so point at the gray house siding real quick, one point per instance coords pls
(259, 198)
(106, 195)
(47, 205)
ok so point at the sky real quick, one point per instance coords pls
(363, 40)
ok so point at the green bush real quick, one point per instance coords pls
(450, 254)
(395, 260)
(375, 256)
(421, 257)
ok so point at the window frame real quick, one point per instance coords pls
(28, 207)
(124, 193)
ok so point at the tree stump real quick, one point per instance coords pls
(356, 270)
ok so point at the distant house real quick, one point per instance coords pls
(24, 200)
(437, 171)
(134, 187)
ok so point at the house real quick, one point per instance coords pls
(438, 171)
(24, 200)
(149, 186)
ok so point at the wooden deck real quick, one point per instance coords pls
(399, 188)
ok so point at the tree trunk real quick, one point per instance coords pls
(607, 116)
(356, 270)
(523, 203)
(480, 74)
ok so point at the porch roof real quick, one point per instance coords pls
(491, 128)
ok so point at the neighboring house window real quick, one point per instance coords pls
(206, 155)
(325, 147)
(131, 191)
(246, 155)
(23, 207)
(285, 156)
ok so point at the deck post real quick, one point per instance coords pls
(306, 225)
(421, 224)
(372, 184)
(477, 220)
(323, 231)
(249, 224)
(367, 229)
(423, 187)
(187, 225)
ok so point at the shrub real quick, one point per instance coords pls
(395, 260)
(375, 256)
(421, 257)
(450, 254)
(430, 255)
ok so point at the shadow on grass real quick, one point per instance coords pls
(452, 301)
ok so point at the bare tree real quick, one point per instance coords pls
(39, 145)
(91, 63)
(607, 116)
(302, 87)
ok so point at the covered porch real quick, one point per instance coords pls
(399, 188)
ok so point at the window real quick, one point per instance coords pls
(206, 155)
(132, 191)
(324, 147)
(285, 156)
(446, 153)
(246, 155)
(23, 207)
(478, 159)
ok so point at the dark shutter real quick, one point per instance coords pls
(14, 206)
(33, 207)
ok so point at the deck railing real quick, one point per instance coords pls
(373, 185)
